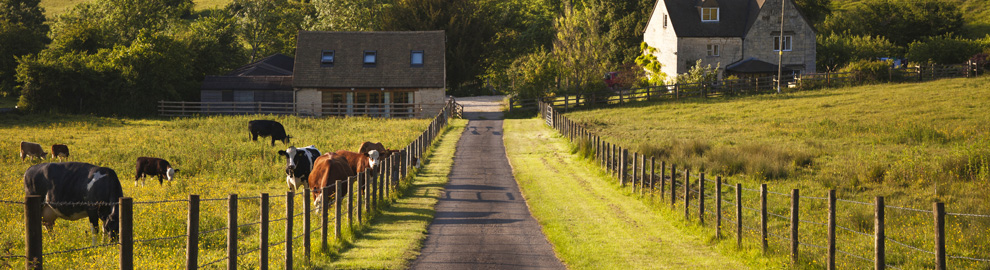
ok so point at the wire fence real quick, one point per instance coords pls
(901, 221)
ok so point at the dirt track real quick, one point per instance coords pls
(482, 221)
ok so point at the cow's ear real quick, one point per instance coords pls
(283, 153)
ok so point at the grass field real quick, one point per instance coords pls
(912, 143)
(592, 223)
(215, 157)
(397, 233)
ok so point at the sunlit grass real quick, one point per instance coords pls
(215, 157)
(901, 141)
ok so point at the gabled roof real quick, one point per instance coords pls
(734, 17)
(274, 65)
(392, 70)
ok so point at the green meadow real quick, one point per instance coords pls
(911, 143)
(215, 157)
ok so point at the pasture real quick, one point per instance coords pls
(215, 157)
(912, 143)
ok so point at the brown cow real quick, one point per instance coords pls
(60, 151)
(359, 162)
(383, 152)
(32, 149)
(327, 169)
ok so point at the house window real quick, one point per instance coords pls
(370, 58)
(709, 14)
(786, 43)
(712, 49)
(416, 59)
(664, 21)
(326, 59)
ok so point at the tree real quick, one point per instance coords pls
(945, 49)
(580, 50)
(836, 51)
(22, 32)
(347, 15)
(814, 10)
(533, 75)
(270, 26)
(901, 22)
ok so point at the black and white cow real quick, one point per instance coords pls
(149, 166)
(298, 165)
(268, 128)
(74, 190)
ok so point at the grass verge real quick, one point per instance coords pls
(396, 234)
(591, 222)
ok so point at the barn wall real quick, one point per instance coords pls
(309, 101)
(432, 98)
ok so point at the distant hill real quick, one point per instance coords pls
(976, 13)
(55, 7)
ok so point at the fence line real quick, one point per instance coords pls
(627, 167)
(377, 190)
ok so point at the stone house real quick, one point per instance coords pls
(741, 37)
(370, 73)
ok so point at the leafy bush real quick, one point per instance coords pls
(945, 49)
(837, 50)
(869, 71)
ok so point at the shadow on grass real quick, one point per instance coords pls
(698, 100)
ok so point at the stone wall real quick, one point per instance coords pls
(664, 39)
(694, 48)
(759, 40)
(309, 101)
(432, 99)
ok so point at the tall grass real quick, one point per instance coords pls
(215, 156)
(912, 143)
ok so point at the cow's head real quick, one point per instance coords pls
(170, 173)
(290, 155)
(373, 156)
(286, 140)
(111, 224)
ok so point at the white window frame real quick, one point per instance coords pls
(713, 49)
(703, 10)
(787, 43)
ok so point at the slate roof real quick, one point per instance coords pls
(393, 69)
(274, 65)
(735, 17)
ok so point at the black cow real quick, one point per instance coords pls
(268, 128)
(149, 166)
(299, 163)
(74, 190)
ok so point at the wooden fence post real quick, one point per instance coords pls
(623, 159)
(880, 238)
(337, 194)
(192, 233)
(306, 224)
(289, 214)
(831, 230)
(125, 206)
(359, 196)
(324, 217)
(663, 178)
(642, 174)
(739, 215)
(635, 172)
(763, 218)
(718, 207)
(232, 232)
(687, 194)
(701, 199)
(367, 196)
(795, 211)
(673, 184)
(939, 212)
(32, 232)
(263, 233)
(653, 164)
(350, 202)
(403, 163)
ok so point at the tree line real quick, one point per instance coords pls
(121, 56)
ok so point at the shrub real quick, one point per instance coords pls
(945, 49)
(868, 71)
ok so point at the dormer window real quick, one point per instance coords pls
(370, 58)
(709, 14)
(326, 59)
(416, 59)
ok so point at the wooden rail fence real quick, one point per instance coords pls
(631, 169)
(374, 188)
(391, 110)
(745, 86)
